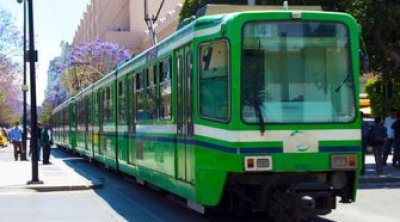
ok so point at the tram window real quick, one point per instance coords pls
(165, 90)
(95, 110)
(79, 114)
(214, 86)
(101, 108)
(151, 94)
(89, 113)
(83, 113)
(139, 98)
(121, 102)
(108, 105)
(105, 105)
(150, 76)
(66, 117)
(189, 92)
(132, 110)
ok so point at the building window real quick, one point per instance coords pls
(214, 86)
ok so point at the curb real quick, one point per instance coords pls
(379, 180)
(44, 188)
(53, 188)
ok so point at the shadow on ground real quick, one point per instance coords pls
(138, 203)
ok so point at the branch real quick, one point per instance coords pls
(387, 50)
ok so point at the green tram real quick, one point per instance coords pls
(240, 111)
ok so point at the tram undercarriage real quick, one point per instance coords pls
(287, 196)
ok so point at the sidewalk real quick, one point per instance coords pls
(56, 177)
(390, 173)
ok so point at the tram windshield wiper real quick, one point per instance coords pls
(346, 80)
(261, 123)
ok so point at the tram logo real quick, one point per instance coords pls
(302, 147)
(299, 141)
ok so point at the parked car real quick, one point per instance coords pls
(3, 138)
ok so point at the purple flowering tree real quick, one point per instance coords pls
(10, 71)
(88, 62)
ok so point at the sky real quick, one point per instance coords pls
(54, 21)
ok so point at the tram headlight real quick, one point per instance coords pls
(343, 161)
(258, 163)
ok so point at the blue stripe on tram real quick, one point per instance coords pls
(229, 149)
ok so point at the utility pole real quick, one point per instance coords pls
(24, 89)
(34, 127)
(150, 21)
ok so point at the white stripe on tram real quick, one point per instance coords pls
(275, 135)
(162, 129)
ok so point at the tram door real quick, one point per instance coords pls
(184, 120)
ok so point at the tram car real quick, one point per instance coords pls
(246, 111)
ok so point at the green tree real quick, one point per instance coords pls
(10, 89)
(88, 62)
(46, 117)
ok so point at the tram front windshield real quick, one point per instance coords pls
(296, 72)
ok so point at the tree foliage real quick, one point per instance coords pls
(46, 116)
(10, 91)
(88, 62)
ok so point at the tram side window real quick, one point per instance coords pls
(108, 105)
(96, 109)
(131, 110)
(72, 116)
(121, 102)
(214, 86)
(66, 117)
(151, 94)
(139, 97)
(165, 90)
(78, 114)
(88, 113)
(81, 114)
(100, 99)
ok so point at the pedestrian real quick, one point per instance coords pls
(46, 140)
(377, 139)
(396, 146)
(39, 139)
(390, 134)
(364, 142)
(16, 139)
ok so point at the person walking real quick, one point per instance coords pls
(377, 138)
(390, 134)
(45, 138)
(16, 139)
(396, 146)
(364, 142)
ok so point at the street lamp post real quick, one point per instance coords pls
(32, 57)
(24, 89)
